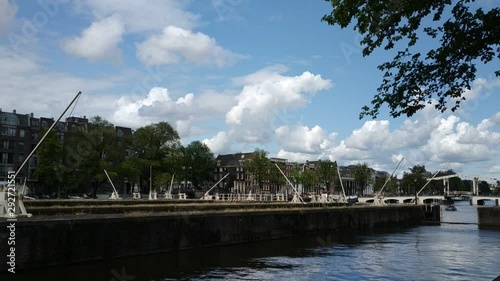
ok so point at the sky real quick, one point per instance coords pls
(237, 75)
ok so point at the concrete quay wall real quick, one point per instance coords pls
(488, 217)
(52, 241)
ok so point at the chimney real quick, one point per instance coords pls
(14, 111)
(31, 114)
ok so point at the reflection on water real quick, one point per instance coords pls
(446, 252)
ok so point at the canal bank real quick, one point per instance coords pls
(52, 241)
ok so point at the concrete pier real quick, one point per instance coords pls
(488, 217)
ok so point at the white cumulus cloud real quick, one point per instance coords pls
(99, 41)
(302, 139)
(263, 106)
(176, 44)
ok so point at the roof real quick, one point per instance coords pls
(232, 159)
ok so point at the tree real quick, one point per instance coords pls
(379, 183)
(363, 176)
(259, 166)
(296, 175)
(310, 179)
(391, 186)
(484, 188)
(413, 181)
(468, 37)
(99, 151)
(276, 179)
(151, 145)
(497, 188)
(49, 171)
(327, 171)
(198, 161)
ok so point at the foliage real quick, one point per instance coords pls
(468, 37)
(198, 161)
(379, 183)
(258, 164)
(276, 179)
(151, 145)
(49, 171)
(363, 176)
(327, 171)
(310, 180)
(414, 180)
(496, 190)
(162, 181)
(484, 188)
(97, 150)
(296, 174)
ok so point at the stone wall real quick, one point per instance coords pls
(52, 241)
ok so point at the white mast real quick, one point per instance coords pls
(378, 198)
(289, 182)
(341, 184)
(114, 195)
(206, 193)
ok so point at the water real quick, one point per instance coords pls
(446, 252)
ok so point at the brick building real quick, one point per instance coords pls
(20, 133)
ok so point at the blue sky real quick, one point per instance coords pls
(236, 74)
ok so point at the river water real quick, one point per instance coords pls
(445, 252)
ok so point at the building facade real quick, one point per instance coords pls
(20, 133)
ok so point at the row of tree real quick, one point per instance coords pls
(74, 161)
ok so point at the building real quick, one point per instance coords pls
(20, 133)
(351, 187)
(240, 180)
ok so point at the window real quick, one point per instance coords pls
(20, 158)
(8, 131)
(21, 133)
(35, 123)
(9, 119)
(45, 125)
(119, 133)
(21, 145)
(3, 158)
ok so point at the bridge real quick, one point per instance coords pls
(480, 200)
(437, 199)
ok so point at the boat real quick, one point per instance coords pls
(450, 208)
